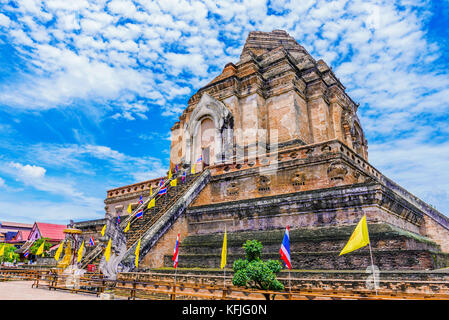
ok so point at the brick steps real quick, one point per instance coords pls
(150, 216)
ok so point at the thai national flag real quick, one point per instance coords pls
(285, 250)
(200, 158)
(175, 253)
(140, 200)
(162, 182)
(139, 214)
(163, 191)
(183, 178)
(26, 254)
(118, 219)
(176, 169)
(91, 241)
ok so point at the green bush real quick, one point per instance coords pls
(255, 273)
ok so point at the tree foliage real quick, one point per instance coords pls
(252, 272)
(9, 254)
(38, 243)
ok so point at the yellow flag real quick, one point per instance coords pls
(129, 208)
(193, 169)
(107, 253)
(127, 227)
(103, 230)
(80, 252)
(2, 250)
(59, 251)
(41, 249)
(136, 261)
(359, 237)
(224, 250)
(152, 203)
(151, 190)
(169, 174)
(10, 255)
(173, 182)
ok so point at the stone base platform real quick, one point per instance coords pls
(318, 248)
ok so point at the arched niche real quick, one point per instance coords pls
(212, 115)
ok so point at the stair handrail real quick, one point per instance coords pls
(94, 253)
(148, 225)
(124, 223)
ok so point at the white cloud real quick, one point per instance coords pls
(4, 21)
(28, 172)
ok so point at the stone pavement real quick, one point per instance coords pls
(21, 290)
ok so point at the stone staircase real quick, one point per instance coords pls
(154, 223)
(162, 204)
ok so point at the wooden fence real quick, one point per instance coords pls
(164, 286)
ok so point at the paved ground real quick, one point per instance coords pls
(21, 290)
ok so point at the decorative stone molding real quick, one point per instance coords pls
(337, 170)
(299, 178)
(119, 208)
(232, 189)
(263, 183)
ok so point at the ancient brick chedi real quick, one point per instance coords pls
(281, 144)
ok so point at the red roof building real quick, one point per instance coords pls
(10, 230)
(21, 237)
(47, 230)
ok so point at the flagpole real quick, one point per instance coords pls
(289, 282)
(371, 256)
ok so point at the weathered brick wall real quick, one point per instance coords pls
(318, 248)
(336, 206)
(165, 245)
(436, 232)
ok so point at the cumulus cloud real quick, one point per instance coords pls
(28, 172)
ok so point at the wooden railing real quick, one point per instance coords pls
(165, 286)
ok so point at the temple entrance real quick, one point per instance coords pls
(210, 134)
(207, 140)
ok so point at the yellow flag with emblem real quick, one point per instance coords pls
(359, 237)
(107, 253)
(59, 251)
(173, 182)
(2, 250)
(152, 203)
(136, 261)
(129, 208)
(224, 251)
(127, 227)
(103, 230)
(80, 252)
(41, 249)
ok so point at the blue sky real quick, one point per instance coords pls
(90, 89)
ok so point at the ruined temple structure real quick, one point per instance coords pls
(280, 144)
